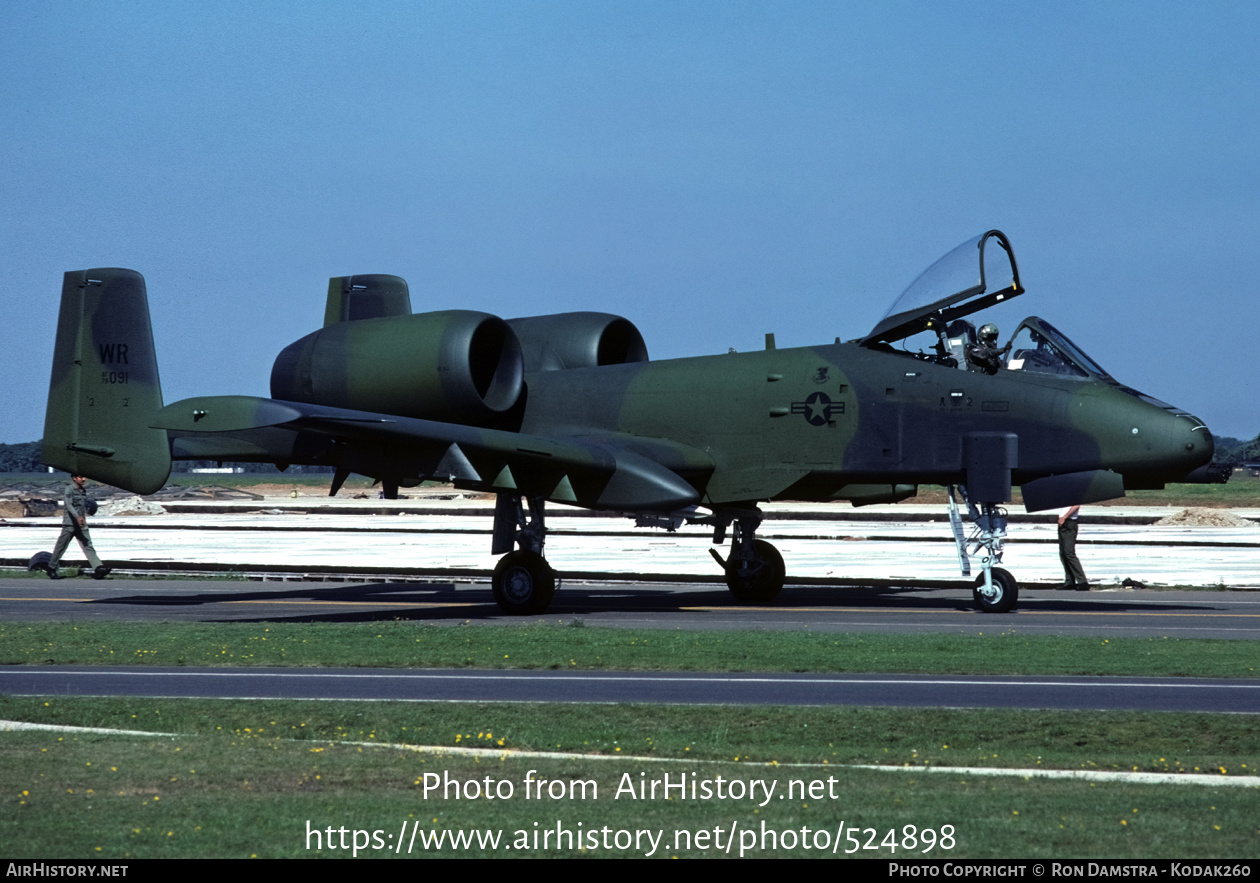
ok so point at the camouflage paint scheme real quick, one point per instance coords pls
(105, 385)
(567, 408)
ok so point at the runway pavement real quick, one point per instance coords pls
(894, 570)
(953, 691)
(887, 609)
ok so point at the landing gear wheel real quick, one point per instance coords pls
(758, 580)
(1002, 597)
(523, 583)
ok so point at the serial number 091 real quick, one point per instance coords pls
(912, 839)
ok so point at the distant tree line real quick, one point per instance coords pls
(1236, 451)
(21, 458)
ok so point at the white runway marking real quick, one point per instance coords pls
(1137, 778)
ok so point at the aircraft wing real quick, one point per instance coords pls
(604, 471)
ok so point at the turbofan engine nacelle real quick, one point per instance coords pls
(454, 365)
(578, 340)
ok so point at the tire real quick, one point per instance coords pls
(1005, 592)
(761, 579)
(523, 583)
(39, 561)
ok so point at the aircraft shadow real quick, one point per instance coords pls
(440, 601)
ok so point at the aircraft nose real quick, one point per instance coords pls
(1147, 440)
(1187, 442)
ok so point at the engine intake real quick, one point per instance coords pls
(578, 340)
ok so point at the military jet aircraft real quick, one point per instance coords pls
(568, 408)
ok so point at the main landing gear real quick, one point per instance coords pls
(523, 581)
(754, 570)
(996, 590)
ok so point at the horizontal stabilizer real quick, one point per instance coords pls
(224, 414)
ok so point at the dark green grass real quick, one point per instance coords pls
(247, 779)
(1146, 741)
(552, 646)
(1241, 492)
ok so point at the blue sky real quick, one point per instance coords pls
(710, 170)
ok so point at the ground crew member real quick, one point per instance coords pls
(1074, 574)
(74, 524)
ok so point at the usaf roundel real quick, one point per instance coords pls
(818, 408)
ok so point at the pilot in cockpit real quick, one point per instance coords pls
(985, 355)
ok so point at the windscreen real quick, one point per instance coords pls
(1040, 348)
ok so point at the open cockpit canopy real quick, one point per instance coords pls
(977, 274)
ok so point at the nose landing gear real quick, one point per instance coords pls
(996, 590)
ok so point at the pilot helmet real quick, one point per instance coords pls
(988, 333)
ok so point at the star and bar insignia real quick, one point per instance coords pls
(818, 408)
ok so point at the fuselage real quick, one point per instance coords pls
(803, 423)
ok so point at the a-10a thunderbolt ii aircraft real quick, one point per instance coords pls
(567, 408)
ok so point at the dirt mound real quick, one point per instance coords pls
(125, 506)
(279, 489)
(28, 507)
(1197, 517)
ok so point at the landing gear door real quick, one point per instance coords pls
(977, 274)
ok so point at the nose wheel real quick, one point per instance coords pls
(1000, 595)
(995, 591)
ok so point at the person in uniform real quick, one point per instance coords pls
(74, 525)
(985, 355)
(1074, 574)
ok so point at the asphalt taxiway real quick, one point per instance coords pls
(625, 604)
(691, 688)
(887, 569)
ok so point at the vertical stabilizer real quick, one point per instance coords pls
(105, 389)
(370, 296)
